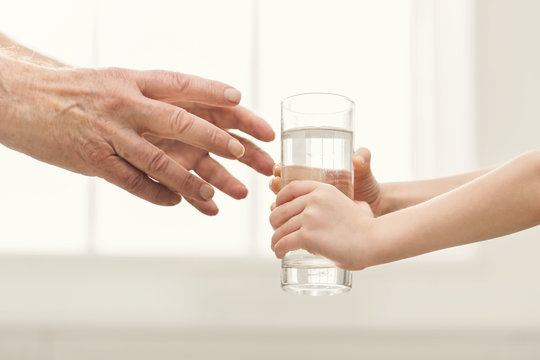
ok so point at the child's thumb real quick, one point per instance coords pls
(361, 162)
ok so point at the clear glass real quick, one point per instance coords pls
(316, 144)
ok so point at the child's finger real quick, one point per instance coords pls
(281, 214)
(366, 187)
(361, 162)
(290, 226)
(275, 184)
(290, 242)
(296, 189)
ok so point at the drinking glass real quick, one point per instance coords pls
(316, 144)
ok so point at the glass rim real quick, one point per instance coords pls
(343, 97)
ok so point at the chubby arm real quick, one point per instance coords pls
(318, 218)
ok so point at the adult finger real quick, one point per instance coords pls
(290, 226)
(122, 174)
(281, 214)
(158, 165)
(295, 189)
(244, 120)
(213, 172)
(255, 157)
(173, 122)
(172, 86)
(206, 207)
(237, 117)
(206, 167)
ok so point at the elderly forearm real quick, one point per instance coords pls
(12, 49)
(501, 202)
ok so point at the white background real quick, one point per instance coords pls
(269, 50)
(440, 86)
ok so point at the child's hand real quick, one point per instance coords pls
(366, 187)
(319, 218)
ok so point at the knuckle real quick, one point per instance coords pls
(213, 136)
(308, 213)
(189, 184)
(327, 188)
(281, 248)
(272, 219)
(114, 100)
(302, 236)
(180, 123)
(214, 87)
(158, 163)
(364, 206)
(316, 198)
(116, 88)
(116, 73)
(134, 183)
(275, 238)
(180, 81)
(95, 152)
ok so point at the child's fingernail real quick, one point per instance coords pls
(276, 170)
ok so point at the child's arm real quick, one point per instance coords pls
(318, 218)
(388, 197)
(384, 198)
(400, 195)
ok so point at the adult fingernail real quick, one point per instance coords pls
(206, 191)
(236, 148)
(232, 95)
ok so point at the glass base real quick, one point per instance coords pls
(306, 274)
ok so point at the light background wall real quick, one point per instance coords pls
(223, 300)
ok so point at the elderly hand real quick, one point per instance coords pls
(199, 160)
(140, 130)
